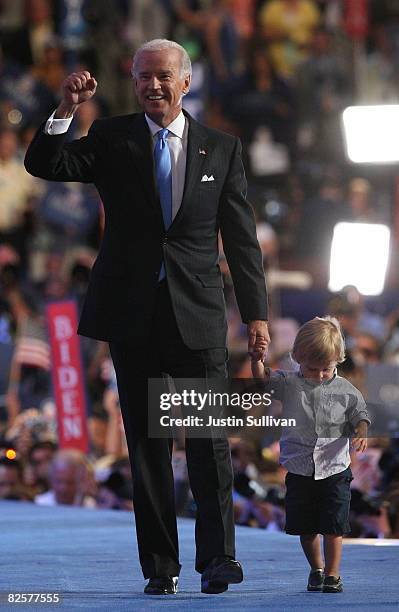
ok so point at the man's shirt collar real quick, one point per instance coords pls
(176, 127)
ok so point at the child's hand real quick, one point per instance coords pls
(359, 442)
(257, 367)
(259, 349)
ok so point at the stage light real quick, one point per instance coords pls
(359, 257)
(372, 133)
(11, 454)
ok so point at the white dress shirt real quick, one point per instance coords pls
(177, 142)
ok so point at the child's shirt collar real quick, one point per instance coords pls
(315, 383)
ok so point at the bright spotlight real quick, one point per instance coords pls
(372, 133)
(359, 257)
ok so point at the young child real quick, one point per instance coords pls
(327, 409)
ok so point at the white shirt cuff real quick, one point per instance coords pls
(57, 126)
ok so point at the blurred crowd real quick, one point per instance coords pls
(277, 73)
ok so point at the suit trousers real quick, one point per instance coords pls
(208, 459)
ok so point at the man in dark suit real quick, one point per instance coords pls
(168, 185)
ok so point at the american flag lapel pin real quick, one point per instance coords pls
(201, 151)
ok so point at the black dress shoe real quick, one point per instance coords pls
(166, 585)
(219, 573)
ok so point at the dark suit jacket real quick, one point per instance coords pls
(116, 156)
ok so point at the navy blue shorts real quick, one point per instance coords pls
(318, 506)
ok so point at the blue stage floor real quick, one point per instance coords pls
(89, 558)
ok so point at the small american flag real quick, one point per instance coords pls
(31, 347)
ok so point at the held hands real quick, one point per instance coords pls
(77, 88)
(258, 342)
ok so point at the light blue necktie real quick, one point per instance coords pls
(163, 171)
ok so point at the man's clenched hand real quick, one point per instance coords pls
(77, 88)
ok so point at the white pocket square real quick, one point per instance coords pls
(206, 178)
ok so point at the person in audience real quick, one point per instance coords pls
(11, 482)
(71, 481)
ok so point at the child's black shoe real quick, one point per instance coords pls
(332, 585)
(315, 580)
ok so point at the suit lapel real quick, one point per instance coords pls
(139, 142)
(196, 142)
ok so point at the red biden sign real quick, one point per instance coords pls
(356, 18)
(67, 373)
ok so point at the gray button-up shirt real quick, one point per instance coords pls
(326, 414)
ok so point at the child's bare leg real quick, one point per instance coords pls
(332, 554)
(311, 547)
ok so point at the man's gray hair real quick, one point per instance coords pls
(158, 44)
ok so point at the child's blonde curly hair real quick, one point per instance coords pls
(319, 341)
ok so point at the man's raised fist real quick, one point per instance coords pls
(78, 87)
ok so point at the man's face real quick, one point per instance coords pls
(41, 459)
(64, 481)
(159, 84)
